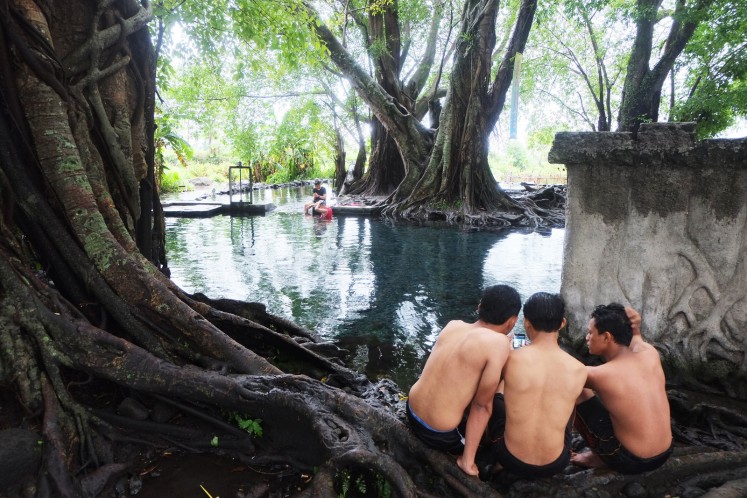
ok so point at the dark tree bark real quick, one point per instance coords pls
(386, 169)
(86, 317)
(382, 30)
(458, 184)
(340, 169)
(641, 94)
(361, 157)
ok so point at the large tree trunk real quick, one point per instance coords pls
(88, 321)
(458, 184)
(386, 169)
(386, 166)
(340, 167)
(641, 95)
(453, 180)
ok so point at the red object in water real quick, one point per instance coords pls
(328, 214)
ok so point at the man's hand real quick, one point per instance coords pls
(468, 469)
(635, 320)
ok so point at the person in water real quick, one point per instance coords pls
(319, 197)
(462, 374)
(530, 433)
(623, 415)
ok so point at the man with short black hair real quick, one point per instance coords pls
(624, 413)
(463, 372)
(319, 197)
(541, 385)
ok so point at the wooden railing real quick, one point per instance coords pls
(535, 179)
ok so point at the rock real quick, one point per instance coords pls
(162, 412)
(692, 492)
(201, 181)
(20, 455)
(596, 493)
(731, 489)
(133, 409)
(634, 490)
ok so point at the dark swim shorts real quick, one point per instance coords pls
(451, 441)
(494, 448)
(594, 424)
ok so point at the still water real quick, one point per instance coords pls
(379, 289)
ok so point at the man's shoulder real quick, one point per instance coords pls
(598, 373)
(453, 325)
(490, 341)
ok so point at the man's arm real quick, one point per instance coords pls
(636, 343)
(481, 409)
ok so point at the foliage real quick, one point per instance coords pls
(172, 181)
(516, 155)
(576, 58)
(237, 88)
(252, 426)
(715, 67)
(566, 70)
(167, 137)
(364, 483)
(542, 136)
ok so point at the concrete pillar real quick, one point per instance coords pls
(658, 221)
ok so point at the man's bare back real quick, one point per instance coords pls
(542, 383)
(465, 354)
(464, 371)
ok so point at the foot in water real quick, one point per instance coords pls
(587, 459)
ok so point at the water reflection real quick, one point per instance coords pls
(380, 289)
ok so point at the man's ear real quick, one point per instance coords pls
(563, 324)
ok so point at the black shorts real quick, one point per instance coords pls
(451, 441)
(593, 422)
(493, 448)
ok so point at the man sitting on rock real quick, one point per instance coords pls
(530, 434)
(319, 197)
(624, 413)
(463, 371)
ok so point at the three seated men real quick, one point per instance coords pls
(514, 409)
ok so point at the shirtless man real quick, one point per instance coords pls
(463, 371)
(626, 424)
(541, 385)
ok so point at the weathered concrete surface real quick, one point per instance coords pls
(659, 221)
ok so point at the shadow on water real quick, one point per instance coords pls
(380, 289)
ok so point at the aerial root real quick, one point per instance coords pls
(382, 464)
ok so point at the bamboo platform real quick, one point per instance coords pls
(209, 209)
(355, 210)
(187, 209)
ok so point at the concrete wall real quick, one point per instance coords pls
(659, 221)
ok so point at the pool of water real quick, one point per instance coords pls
(383, 290)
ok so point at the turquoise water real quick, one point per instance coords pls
(380, 289)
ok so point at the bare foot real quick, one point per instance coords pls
(469, 469)
(587, 459)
